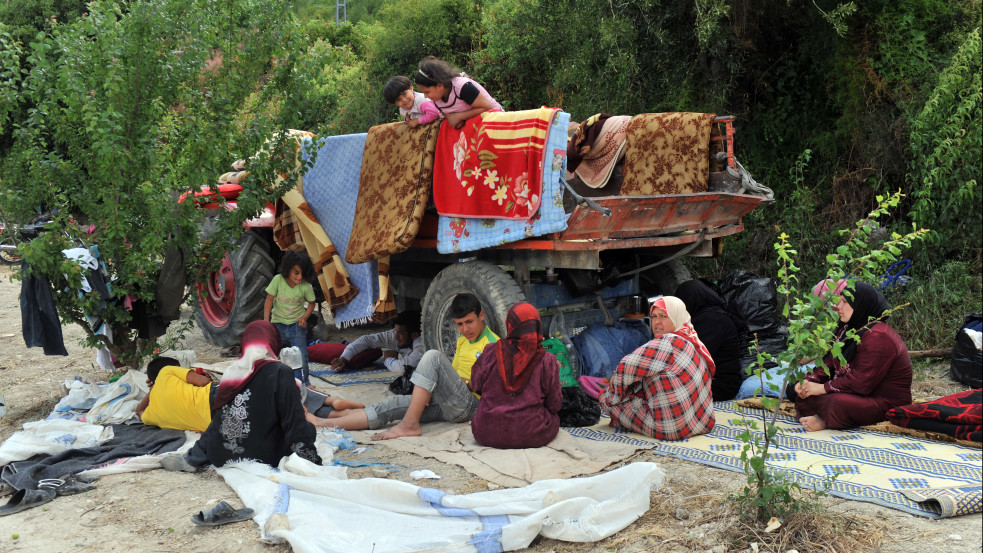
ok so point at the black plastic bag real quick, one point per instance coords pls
(756, 300)
(578, 409)
(967, 359)
(402, 385)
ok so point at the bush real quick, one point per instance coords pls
(937, 302)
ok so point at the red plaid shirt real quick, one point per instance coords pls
(661, 389)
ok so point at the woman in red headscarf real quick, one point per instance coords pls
(662, 389)
(257, 414)
(519, 385)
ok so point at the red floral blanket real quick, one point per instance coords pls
(493, 167)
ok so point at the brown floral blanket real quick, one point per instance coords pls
(393, 189)
(667, 153)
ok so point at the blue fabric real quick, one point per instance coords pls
(458, 234)
(600, 348)
(751, 387)
(294, 335)
(331, 189)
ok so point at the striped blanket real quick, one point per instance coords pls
(493, 167)
(886, 469)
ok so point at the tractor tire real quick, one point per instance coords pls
(493, 287)
(233, 296)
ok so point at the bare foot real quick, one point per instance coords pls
(400, 430)
(813, 423)
(343, 404)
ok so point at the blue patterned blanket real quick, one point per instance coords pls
(331, 189)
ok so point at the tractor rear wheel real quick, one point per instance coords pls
(234, 294)
(494, 288)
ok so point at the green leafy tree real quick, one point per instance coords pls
(947, 143)
(129, 107)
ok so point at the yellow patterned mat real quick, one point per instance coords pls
(871, 466)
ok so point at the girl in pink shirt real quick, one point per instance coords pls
(456, 95)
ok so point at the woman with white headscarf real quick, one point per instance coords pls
(662, 389)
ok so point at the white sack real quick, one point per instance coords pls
(51, 436)
(118, 402)
(318, 513)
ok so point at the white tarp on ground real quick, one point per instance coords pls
(317, 510)
(51, 437)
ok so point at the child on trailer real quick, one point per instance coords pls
(288, 292)
(414, 108)
(457, 96)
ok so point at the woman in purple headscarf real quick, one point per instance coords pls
(257, 414)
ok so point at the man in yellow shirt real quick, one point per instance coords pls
(442, 387)
(179, 398)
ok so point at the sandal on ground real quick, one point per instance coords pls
(67, 485)
(222, 513)
(26, 499)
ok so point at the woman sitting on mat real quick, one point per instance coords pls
(662, 389)
(721, 332)
(257, 412)
(877, 373)
(519, 385)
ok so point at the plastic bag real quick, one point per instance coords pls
(559, 350)
(578, 409)
(601, 347)
(756, 299)
(402, 385)
(967, 357)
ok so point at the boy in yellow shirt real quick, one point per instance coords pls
(442, 387)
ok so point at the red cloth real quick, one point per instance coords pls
(958, 415)
(878, 378)
(661, 389)
(512, 421)
(260, 345)
(327, 352)
(493, 166)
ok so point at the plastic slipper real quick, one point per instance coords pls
(26, 499)
(69, 485)
(223, 513)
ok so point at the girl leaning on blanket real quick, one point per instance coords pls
(456, 95)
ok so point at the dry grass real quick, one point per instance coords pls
(811, 531)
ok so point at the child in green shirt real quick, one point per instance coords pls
(285, 307)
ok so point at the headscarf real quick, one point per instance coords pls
(868, 306)
(522, 347)
(260, 342)
(676, 309)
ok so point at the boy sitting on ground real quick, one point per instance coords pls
(441, 387)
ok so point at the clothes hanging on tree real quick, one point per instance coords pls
(40, 324)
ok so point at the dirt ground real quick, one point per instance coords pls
(150, 511)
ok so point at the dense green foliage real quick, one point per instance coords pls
(126, 108)
(836, 102)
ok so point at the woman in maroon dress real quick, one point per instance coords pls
(519, 385)
(875, 378)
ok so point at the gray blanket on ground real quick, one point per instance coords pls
(129, 441)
